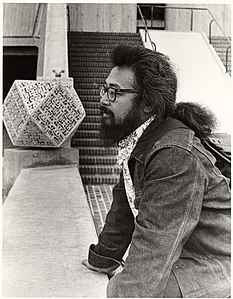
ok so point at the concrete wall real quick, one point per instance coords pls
(103, 17)
(29, 24)
(21, 23)
(179, 20)
(19, 18)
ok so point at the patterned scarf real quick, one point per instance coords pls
(126, 147)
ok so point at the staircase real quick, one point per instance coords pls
(89, 65)
(220, 45)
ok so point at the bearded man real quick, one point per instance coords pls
(171, 206)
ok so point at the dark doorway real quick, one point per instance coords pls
(18, 63)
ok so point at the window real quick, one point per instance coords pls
(155, 16)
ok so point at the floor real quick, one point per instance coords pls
(99, 198)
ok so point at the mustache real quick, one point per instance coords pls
(103, 110)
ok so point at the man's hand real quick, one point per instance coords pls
(110, 271)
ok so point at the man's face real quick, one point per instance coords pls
(120, 117)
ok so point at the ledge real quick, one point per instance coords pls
(47, 230)
(16, 159)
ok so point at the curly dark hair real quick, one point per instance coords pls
(157, 83)
(154, 75)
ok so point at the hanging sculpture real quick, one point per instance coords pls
(42, 113)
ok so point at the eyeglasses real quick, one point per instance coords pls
(112, 92)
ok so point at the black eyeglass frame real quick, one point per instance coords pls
(106, 89)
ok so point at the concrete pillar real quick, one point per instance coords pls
(55, 41)
(54, 49)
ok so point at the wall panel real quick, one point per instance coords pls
(180, 20)
(99, 17)
(19, 19)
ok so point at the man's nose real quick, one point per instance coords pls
(104, 100)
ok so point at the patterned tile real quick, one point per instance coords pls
(99, 198)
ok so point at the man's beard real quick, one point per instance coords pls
(111, 134)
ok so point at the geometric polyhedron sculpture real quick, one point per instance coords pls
(42, 113)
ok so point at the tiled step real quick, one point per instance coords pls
(100, 47)
(223, 57)
(94, 57)
(111, 179)
(90, 33)
(82, 89)
(224, 60)
(99, 36)
(109, 160)
(92, 118)
(92, 70)
(94, 52)
(90, 98)
(223, 53)
(219, 39)
(94, 46)
(89, 58)
(89, 80)
(90, 64)
(103, 39)
(76, 141)
(221, 48)
(89, 126)
(85, 50)
(220, 45)
(87, 74)
(97, 151)
(91, 105)
(91, 111)
(86, 134)
(101, 43)
(99, 169)
(99, 198)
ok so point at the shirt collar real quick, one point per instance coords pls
(127, 145)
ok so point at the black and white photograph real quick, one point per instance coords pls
(116, 149)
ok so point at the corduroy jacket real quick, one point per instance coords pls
(183, 223)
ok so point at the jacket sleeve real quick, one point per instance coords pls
(117, 232)
(169, 209)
